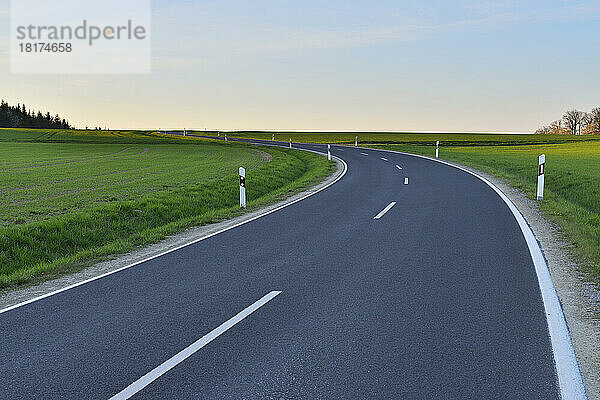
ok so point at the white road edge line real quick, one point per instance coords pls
(388, 208)
(384, 159)
(565, 361)
(178, 358)
(190, 243)
(399, 167)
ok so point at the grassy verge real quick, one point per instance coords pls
(572, 192)
(45, 236)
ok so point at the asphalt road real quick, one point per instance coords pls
(438, 298)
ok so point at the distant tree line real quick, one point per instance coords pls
(575, 122)
(19, 117)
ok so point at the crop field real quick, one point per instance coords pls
(70, 198)
(40, 181)
(71, 136)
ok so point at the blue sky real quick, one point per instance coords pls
(349, 65)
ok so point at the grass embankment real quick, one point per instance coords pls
(70, 198)
(572, 196)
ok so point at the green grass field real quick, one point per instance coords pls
(88, 137)
(572, 196)
(70, 198)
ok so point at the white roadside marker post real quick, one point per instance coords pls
(356, 141)
(329, 152)
(184, 132)
(242, 187)
(290, 143)
(541, 171)
(225, 137)
(437, 149)
(273, 138)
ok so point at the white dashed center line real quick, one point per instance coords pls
(388, 208)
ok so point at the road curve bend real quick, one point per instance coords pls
(405, 279)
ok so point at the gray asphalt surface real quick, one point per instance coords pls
(437, 299)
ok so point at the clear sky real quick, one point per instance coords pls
(455, 65)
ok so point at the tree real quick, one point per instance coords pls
(595, 117)
(3, 113)
(586, 122)
(19, 117)
(553, 129)
(573, 120)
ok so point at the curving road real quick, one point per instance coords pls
(436, 298)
